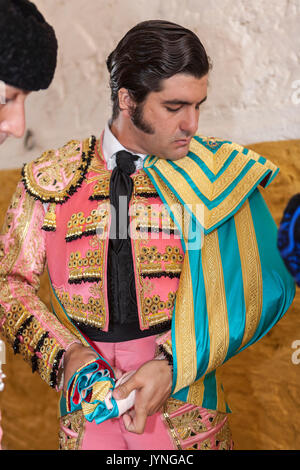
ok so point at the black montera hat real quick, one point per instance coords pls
(28, 46)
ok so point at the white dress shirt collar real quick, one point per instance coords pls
(111, 145)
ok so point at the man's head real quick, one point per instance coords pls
(158, 78)
(28, 52)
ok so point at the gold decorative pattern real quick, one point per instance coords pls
(58, 309)
(167, 348)
(151, 265)
(24, 313)
(224, 438)
(195, 428)
(143, 187)
(216, 301)
(215, 210)
(56, 176)
(19, 230)
(167, 223)
(153, 219)
(72, 431)
(156, 264)
(50, 218)
(231, 203)
(26, 336)
(87, 268)
(196, 392)
(251, 270)
(185, 330)
(221, 398)
(101, 188)
(15, 318)
(94, 223)
(172, 202)
(92, 312)
(213, 160)
(154, 309)
(99, 392)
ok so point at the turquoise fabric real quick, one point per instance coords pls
(81, 384)
(278, 285)
(85, 379)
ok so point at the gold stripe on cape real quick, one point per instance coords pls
(185, 329)
(216, 160)
(251, 270)
(216, 301)
(196, 392)
(228, 203)
(184, 309)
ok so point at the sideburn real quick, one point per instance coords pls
(137, 118)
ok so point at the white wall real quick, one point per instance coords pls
(254, 46)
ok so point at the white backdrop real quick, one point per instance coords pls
(254, 92)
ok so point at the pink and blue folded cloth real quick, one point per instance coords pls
(91, 388)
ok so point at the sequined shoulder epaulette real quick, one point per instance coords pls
(217, 175)
(56, 175)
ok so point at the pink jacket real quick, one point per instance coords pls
(60, 215)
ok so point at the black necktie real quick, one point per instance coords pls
(120, 272)
(121, 185)
(121, 289)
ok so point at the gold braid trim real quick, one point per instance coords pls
(219, 194)
(251, 270)
(72, 431)
(21, 328)
(44, 179)
(216, 301)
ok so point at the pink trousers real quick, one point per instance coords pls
(181, 426)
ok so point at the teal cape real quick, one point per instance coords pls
(234, 286)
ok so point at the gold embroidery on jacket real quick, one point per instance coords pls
(92, 312)
(52, 174)
(143, 187)
(101, 188)
(20, 232)
(50, 218)
(72, 431)
(167, 348)
(87, 268)
(152, 219)
(188, 424)
(22, 329)
(15, 317)
(157, 264)
(154, 309)
(151, 264)
(95, 223)
(46, 177)
(171, 258)
(173, 203)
